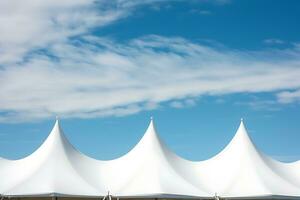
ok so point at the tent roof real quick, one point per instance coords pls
(154, 169)
(50, 169)
(149, 170)
(241, 170)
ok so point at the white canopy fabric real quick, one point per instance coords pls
(153, 170)
(150, 169)
(241, 170)
(51, 169)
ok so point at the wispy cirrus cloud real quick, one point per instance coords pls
(201, 12)
(98, 77)
(274, 41)
(29, 25)
(52, 65)
(289, 96)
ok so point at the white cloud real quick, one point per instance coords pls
(289, 96)
(28, 25)
(261, 104)
(31, 24)
(98, 77)
(274, 41)
(45, 71)
(201, 12)
(183, 103)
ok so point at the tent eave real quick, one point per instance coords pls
(53, 195)
(269, 197)
(163, 195)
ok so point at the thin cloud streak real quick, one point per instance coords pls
(51, 65)
(30, 25)
(289, 96)
(95, 77)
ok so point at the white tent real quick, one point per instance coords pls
(241, 170)
(150, 169)
(153, 170)
(50, 170)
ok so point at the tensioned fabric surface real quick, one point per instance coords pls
(150, 169)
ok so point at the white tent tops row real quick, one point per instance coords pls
(150, 169)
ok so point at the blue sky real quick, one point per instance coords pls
(104, 68)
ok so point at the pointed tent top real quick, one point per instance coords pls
(56, 133)
(242, 129)
(56, 142)
(243, 144)
(151, 124)
(56, 128)
(242, 133)
(150, 142)
(56, 121)
(151, 128)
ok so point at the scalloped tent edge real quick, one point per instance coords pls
(149, 170)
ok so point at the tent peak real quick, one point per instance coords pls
(242, 141)
(151, 139)
(56, 127)
(151, 124)
(151, 127)
(56, 132)
(242, 129)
